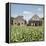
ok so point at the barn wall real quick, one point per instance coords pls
(35, 23)
(18, 22)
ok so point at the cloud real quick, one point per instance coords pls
(27, 12)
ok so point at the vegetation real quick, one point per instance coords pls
(26, 33)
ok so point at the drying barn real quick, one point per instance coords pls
(35, 21)
(19, 20)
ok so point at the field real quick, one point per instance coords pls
(26, 33)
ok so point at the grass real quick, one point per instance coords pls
(26, 33)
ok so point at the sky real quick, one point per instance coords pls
(27, 11)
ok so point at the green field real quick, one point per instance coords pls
(26, 33)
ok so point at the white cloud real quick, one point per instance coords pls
(27, 12)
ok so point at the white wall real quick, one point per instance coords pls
(2, 23)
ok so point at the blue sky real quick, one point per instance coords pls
(27, 11)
